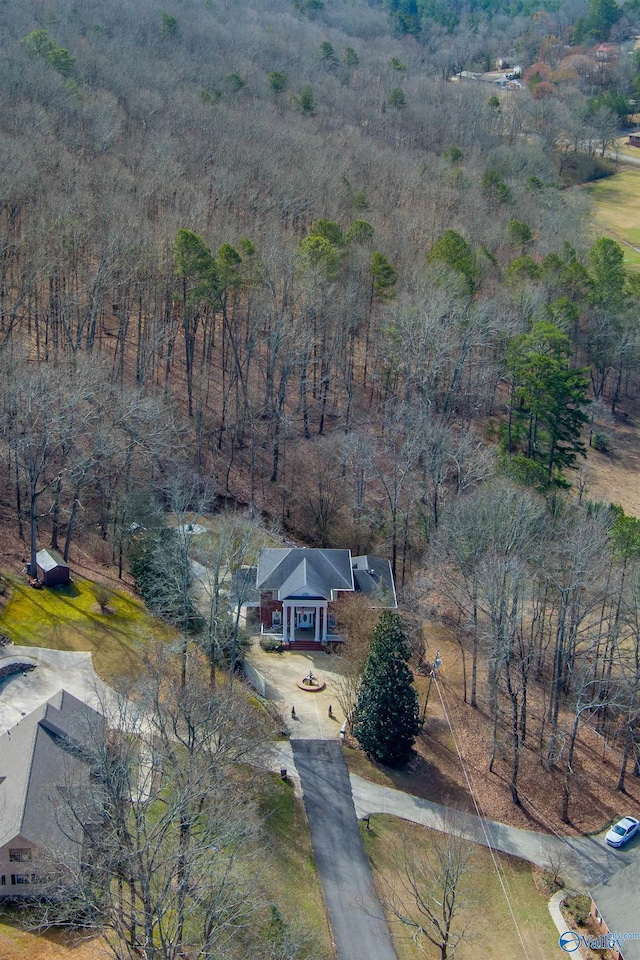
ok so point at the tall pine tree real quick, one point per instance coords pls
(387, 717)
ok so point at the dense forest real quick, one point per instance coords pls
(304, 257)
(286, 249)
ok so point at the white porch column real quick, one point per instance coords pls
(324, 623)
(284, 622)
(317, 636)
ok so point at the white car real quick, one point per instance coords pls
(622, 831)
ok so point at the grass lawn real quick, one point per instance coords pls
(18, 944)
(492, 933)
(290, 864)
(289, 879)
(617, 201)
(68, 618)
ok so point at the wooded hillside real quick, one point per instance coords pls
(277, 248)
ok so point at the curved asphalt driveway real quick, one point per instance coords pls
(357, 921)
(587, 860)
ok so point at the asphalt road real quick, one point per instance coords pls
(586, 860)
(357, 921)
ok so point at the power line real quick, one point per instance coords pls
(482, 821)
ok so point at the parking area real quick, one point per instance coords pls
(22, 692)
(281, 673)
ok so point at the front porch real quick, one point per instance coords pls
(301, 639)
(297, 620)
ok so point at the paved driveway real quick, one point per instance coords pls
(359, 929)
(54, 670)
(587, 860)
(281, 671)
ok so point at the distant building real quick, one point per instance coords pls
(634, 139)
(51, 568)
(42, 758)
(606, 53)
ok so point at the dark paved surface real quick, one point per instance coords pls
(357, 920)
(586, 861)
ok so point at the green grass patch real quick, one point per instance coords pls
(68, 618)
(492, 933)
(290, 863)
(617, 202)
(358, 763)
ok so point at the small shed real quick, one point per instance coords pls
(51, 568)
(634, 139)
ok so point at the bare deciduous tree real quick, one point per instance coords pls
(357, 619)
(171, 858)
(433, 891)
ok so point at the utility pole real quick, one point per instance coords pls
(437, 663)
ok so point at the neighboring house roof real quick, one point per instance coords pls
(50, 559)
(617, 903)
(372, 576)
(243, 587)
(40, 757)
(301, 572)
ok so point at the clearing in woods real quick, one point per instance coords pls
(617, 201)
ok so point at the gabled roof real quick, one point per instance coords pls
(373, 577)
(305, 581)
(50, 559)
(39, 757)
(617, 902)
(303, 572)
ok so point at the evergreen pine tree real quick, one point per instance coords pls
(387, 718)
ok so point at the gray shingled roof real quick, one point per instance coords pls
(372, 576)
(50, 559)
(39, 757)
(618, 903)
(304, 572)
(243, 587)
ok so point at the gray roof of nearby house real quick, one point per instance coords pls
(373, 577)
(304, 572)
(618, 902)
(243, 587)
(40, 758)
(50, 559)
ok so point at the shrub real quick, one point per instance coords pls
(577, 908)
(103, 595)
(271, 646)
(601, 441)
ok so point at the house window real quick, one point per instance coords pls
(3, 880)
(19, 854)
(276, 618)
(18, 878)
(332, 623)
